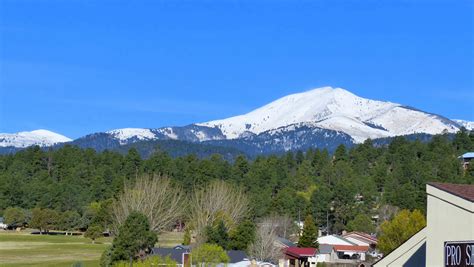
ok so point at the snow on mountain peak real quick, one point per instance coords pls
(123, 135)
(335, 109)
(37, 137)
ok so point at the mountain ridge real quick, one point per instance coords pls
(335, 109)
(322, 117)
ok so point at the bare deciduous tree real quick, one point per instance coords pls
(156, 197)
(284, 226)
(387, 212)
(264, 247)
(219, 200)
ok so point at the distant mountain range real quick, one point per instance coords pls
(320, 118)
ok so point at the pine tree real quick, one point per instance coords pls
(242, 236)
(309, 238)
(218, 235)
(134, 237)
(320, 204)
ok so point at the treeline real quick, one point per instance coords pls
(344, 190)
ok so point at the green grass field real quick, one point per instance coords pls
(24, 249)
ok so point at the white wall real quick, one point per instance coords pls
(323, 257)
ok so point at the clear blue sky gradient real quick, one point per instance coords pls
(77, 67)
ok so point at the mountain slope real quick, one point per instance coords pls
(335, 109)
(287, 138)
(469, 125)
(190, 133)
(37, 137)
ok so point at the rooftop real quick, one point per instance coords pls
(236, 256)
(465, 191)
(174, 254)
(350, 248)
(325, 249)
(286, 242)
(300, 252)
(362, 235)
(468, 155)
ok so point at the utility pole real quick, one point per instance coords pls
(299, 221)
(327, 222)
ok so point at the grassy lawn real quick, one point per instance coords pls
(25, 249)
(170, 239)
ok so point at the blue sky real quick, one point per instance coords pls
(77, 67)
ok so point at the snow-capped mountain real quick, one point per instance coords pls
(469, 125)
(320, 118)
(339, 110)
(37, 137)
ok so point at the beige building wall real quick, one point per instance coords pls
(449, 218)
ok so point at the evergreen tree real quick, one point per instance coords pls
(134, 237)
(218, 235)
(132, 164)
(309, 237)
(320, 205)
(340, 154)
(361, 223)
(242, 236)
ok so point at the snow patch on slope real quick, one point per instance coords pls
(469, 125)
(37, 137)
(125, 134)
(168, 132)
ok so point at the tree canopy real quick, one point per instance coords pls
(209, 255)
(335, 189)
(396, 231)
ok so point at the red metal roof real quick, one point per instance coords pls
(300, 252)
(350, 248)
(465, 191)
